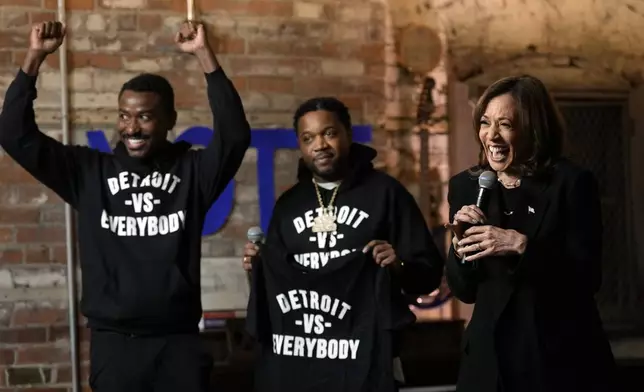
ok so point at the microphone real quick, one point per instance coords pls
(255, 235)
(487, 181)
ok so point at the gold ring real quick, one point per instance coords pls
(478, 247)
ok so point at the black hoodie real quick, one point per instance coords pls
(370, 205)
(139, 220)
(323, 330)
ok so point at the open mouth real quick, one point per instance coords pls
(498, 153)
(135, 142)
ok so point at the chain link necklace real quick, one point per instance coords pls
(325, 221)
(509, 185)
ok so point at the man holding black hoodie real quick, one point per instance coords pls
(140, 215)
(342, 218)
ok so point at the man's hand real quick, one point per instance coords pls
(383, 253)
(250, 250)
(45, 38)
(192, 38)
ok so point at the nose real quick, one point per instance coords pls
(493, 131)
(132, 126)
(320, 143)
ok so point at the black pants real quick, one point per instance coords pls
(168, 363)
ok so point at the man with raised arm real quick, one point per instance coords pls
(140, 215)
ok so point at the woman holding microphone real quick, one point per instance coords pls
(530, 258)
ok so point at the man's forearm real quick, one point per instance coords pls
(33, 61)
(208, 60)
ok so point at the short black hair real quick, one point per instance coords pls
(329, 104)
(152, 83)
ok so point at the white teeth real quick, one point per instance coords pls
(135, 142)
(498, 153)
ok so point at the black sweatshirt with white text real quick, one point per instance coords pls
(370, 205)
(139, 220)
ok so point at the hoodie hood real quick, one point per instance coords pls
(162, 158)
(360, 163)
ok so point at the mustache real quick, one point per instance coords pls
(322, 155)
(134, 135)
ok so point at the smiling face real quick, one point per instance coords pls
(142, 125)
(324, 143)
(499, 132)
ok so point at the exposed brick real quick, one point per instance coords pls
(292, 48)
(6, 59)
(42, 16)
(19, 215)
(23, 335)
(59, 333)
(14, 18)
(43, 277)
(7, 235)
(11, 256)
(149, 22)
(38, 254)
(22, 3)
(308, 10)
(270, 84)
(81, 59)
(42, 354)
(27, 376)
(59, 254)
(73, 5)
(230, 45)
(41, 234)
(126, 4)
(7, 357)
(79, 5)
(262, 8)
(37, 314)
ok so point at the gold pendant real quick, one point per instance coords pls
(324, 222)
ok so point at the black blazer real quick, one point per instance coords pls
(535, 325)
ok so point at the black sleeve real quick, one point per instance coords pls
(422, 267)
(218, 163)
(463, 279)
(258, 323)
(584, 229)
(54, 164)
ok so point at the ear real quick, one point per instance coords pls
(172, 119)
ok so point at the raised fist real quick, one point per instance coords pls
(191, 37)
(46, 37)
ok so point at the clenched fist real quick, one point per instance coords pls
(46, 37)
(191, 38)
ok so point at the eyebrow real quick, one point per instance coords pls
(326, 128)
(500, 118)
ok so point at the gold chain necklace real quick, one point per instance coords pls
(515, 184)
(325, 221)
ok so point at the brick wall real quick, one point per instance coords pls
(278, 52)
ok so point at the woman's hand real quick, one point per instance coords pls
(467, 214)
(491, 241)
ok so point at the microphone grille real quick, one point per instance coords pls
(255, 234)
(487, 179)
